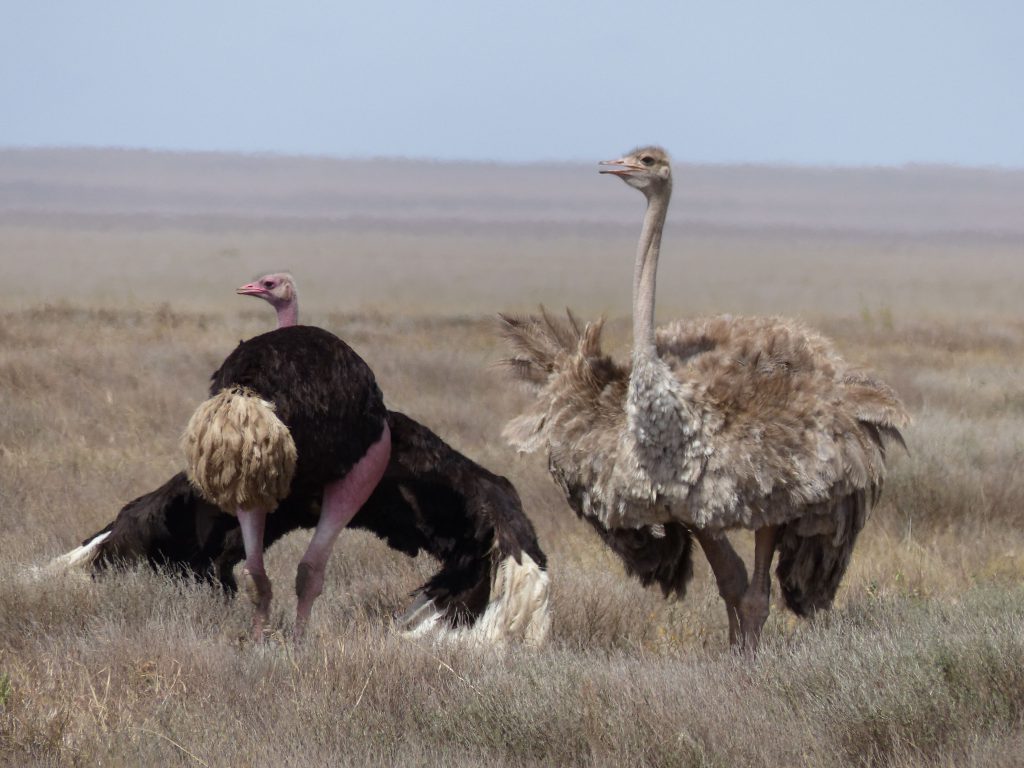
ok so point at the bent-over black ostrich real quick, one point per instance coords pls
(492, 583)
(292, 409)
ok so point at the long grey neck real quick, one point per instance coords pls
(288, 314)
(663, 418)
(645, 275)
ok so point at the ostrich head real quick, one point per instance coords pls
(648, 169)
(279, 290)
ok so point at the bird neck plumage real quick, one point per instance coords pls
(288, 314)
(645, 274)
(664, 420)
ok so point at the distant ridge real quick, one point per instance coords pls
(114, 187)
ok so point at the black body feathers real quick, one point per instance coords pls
(431, 499)
(321, 389)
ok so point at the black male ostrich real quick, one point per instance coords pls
(492, 583)
(292, 410)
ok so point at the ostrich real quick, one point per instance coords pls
(492, 584)
(718, 423)
(292, 408)
(280, 291)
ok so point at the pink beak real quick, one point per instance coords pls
(251, 289)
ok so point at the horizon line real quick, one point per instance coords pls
(285, 154)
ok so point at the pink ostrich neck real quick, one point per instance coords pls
(287, 313)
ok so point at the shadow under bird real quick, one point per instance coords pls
(714, 424)
(492, 584)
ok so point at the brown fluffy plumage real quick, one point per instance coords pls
(783, 423)
(717, 423)
(788, 435)
(238, 453)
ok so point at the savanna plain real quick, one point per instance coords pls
(117, 302)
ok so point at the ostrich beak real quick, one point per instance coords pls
(251, 289)
(621, 167)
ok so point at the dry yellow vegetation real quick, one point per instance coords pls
(118, 305)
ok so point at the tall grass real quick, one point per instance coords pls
(922, 660)
(115, 313)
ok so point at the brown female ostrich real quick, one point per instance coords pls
(492, 584)
(719, 423)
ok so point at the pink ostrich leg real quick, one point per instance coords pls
(342, 499)
(254, 575)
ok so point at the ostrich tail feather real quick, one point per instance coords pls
(80, 558)
(574, 381)
(517, 608)
(541, 344)
(79, 561)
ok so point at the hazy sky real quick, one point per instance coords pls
(808, 82)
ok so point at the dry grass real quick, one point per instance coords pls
(921, 662)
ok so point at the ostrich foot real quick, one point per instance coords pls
(752, 614)
(735, 635)
(309, 583)
(257, 587)
(753, 607)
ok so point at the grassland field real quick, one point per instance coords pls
(117, 277)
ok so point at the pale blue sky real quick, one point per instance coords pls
(823, 82)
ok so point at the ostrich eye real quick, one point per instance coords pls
(647, 160)
(268, 284)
